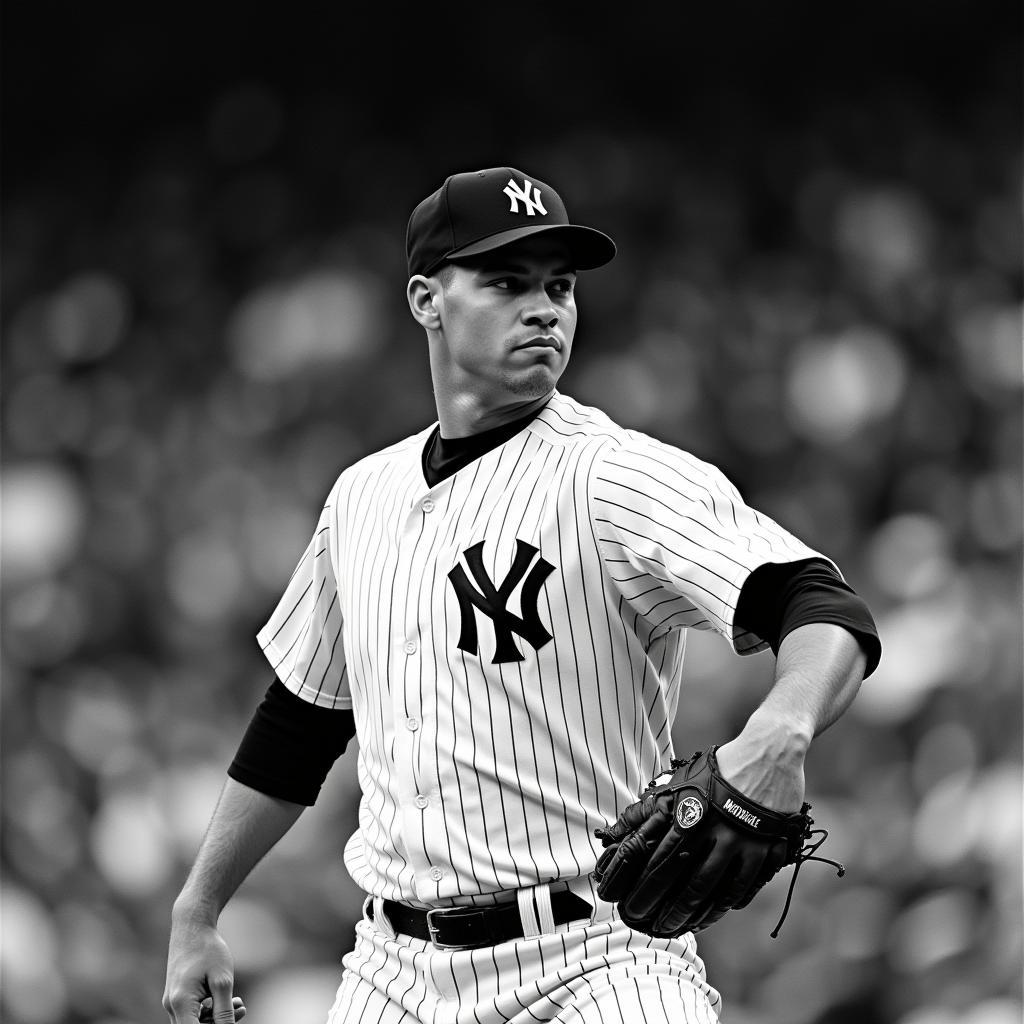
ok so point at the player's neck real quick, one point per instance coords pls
(465, 415)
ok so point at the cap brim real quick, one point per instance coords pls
(588, 247)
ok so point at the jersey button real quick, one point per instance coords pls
(437, 874)
(412, 724)
(410, 646)
(428, 505)
(421, 801)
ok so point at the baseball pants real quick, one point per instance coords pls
(585, 972)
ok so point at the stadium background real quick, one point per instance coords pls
(818, 288)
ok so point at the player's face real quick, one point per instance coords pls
(508, 320)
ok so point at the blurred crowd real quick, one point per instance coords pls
(197, 341)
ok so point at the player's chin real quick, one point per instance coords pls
(533, 381)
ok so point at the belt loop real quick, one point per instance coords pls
(545, 913)
(381, 919)
(527, 915)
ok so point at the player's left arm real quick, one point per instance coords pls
(818, 672)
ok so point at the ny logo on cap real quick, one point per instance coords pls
(515, 193)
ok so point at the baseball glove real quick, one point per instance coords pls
(694, 847)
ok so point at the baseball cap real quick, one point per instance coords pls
(477, 211)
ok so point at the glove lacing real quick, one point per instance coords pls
(806, 853)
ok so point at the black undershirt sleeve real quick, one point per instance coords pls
(777, 598)
(290, 746)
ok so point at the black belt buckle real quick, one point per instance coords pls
(461, 917)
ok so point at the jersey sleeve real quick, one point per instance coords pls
(302, 639)
(678, 540)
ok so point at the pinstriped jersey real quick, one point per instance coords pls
(511, 642)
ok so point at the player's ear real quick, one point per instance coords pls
(423, 294)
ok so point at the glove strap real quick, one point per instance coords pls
(748, 813)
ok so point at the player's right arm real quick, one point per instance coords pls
(302, 726)
(245, 826)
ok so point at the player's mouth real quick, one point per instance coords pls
(542, 341)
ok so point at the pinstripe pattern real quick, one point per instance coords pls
(601, 973)
(680, 539)
(481, 777)
(301, 640)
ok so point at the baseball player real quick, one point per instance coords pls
(497, 609)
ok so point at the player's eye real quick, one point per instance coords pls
(506, 284)
(563, 286)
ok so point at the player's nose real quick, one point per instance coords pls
(540, 313)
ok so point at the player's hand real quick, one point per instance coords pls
(206, 1009)
(200, 977)
(764, 768)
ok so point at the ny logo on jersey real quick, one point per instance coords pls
(492, 600)
(515, 193)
